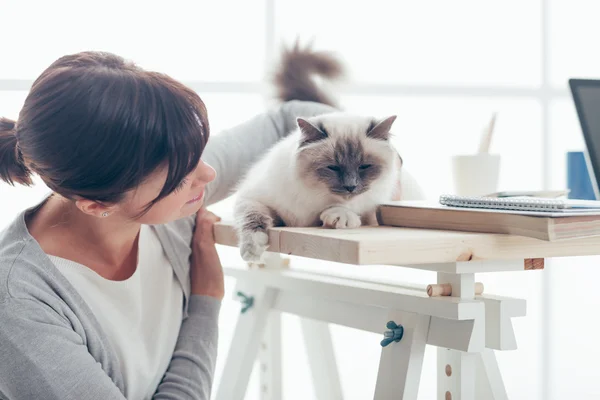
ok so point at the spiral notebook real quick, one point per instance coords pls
(522, 204)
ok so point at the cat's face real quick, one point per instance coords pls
(344, 154)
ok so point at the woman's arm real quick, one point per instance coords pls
(231, 152)
(42, 357)
(194, 359)
(191, 371)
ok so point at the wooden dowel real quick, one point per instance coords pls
(534, 263)
(445, 289)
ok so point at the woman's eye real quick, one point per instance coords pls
(333, 168)
(365, 166)
(181, 185)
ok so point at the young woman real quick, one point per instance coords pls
(110, 288)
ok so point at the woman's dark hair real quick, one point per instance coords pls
(95, 126)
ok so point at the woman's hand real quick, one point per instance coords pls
(206, 272)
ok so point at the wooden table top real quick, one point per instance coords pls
(383, 245)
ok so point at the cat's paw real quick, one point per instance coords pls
(340, 218)
(253, 246)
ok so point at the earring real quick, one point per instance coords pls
(105, 214)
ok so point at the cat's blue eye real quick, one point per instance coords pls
(365, 166)
(333, 168)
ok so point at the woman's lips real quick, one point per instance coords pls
(196, 199)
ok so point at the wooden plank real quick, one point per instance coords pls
(478, 266)
(385, 245)
(467, 335)
(534, 263)
(361, 292)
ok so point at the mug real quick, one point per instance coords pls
(475, 175)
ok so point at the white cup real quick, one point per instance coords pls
(475, 175)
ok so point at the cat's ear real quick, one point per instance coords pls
(382, 129)
(310, 133)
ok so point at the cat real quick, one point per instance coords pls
(332, 171)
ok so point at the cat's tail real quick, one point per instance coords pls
(295, 76)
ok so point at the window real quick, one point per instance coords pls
(429, 130)
(190, 40)
(573, 35)
(434, 42)
(442, 67)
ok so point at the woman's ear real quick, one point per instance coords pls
(94, 208)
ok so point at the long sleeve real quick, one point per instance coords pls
(42, 357)
(231, 152)
(191, 372)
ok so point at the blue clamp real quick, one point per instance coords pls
(247, 301)
(394, 334)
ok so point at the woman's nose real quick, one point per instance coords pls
(205, 173)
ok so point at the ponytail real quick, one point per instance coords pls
(12, 166)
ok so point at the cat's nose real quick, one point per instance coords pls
(350, 188)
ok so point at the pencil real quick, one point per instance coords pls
(486, 139)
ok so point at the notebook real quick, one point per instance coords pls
(521, 203)
(550, 224)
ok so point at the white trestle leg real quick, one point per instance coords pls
(400, 364)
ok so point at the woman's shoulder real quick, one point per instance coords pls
(13, 244)
(26, 272)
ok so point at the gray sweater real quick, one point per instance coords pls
(51, 345)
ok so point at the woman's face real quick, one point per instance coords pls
(184, 201)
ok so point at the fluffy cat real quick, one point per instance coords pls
(333, 170)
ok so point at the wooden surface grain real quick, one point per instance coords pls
(383, 245)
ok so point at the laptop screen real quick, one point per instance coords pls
(586, 95)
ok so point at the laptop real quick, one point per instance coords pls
(586, 96)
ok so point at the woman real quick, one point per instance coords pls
(111, 287)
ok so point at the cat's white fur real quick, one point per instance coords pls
(276, 182)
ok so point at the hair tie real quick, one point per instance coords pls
(18, 151)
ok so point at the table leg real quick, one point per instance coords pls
(489, 383)
(270, 359)
(401, 362)
(321, 358)
(245, 343)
